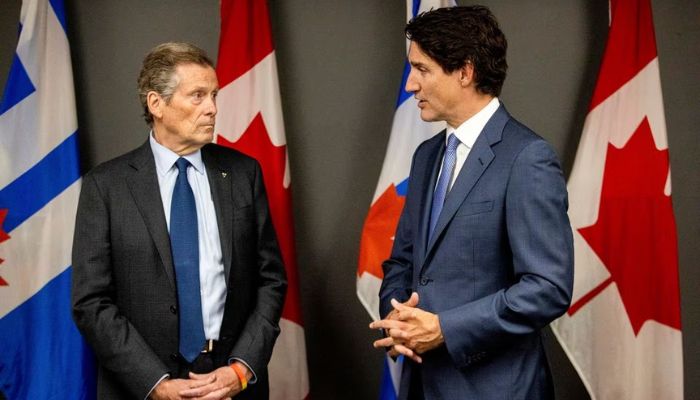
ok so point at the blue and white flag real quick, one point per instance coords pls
(407, 132)
(42, 355)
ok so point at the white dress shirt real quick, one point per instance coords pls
(467, 133)
(212, 279)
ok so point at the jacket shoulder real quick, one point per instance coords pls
(516, 131)
(116, 165)
(228, 157)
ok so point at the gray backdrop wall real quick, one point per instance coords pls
(339, 65)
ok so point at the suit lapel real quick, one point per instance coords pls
(430, 169)
(220, 182)
(479, 159)
(143, 184)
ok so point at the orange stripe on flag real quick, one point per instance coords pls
(378, 232)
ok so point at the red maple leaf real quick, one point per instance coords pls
(635, 234)
(378, 232)
(3, 236)
(256, 143)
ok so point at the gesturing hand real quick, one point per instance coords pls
(410, 330)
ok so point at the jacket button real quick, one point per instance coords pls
(424, 281)
(173, 309)
(174, 356)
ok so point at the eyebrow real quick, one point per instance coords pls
(203, 89)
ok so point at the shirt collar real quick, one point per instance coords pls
(470, 129)
(166, 158)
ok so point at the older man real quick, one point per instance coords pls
(482, 257)
(178, 283)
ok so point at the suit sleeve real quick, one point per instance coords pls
(540, 238)
(117, 344)
(256, 341)
(398, 269)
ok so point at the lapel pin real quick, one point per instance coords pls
(223, 174)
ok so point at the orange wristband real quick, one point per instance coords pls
(241, 376)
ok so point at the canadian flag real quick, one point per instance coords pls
(249, 119)
(623, 330)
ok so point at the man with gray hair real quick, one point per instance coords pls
(178, 282)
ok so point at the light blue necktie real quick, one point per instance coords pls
(184, 242)
(441, 189)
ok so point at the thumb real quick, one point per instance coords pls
(413, 300)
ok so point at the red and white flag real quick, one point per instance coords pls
(250, 120)
(623, 330)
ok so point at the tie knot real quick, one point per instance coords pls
(452, 142)
(182, 165)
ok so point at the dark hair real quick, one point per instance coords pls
(455, 36)
(158, 70)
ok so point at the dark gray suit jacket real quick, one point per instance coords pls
(498, 268)
(124, 294)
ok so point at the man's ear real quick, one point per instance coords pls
(467, 74)
(155, 104)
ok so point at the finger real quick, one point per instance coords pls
(385, 342)
(401, 308)
(388, 324)
(218, 394)
(197, 391)
(203, 378)
(401, 349)
(392, 314)
(397, 306)
(397, 334)
(408, 353)
(409, 314)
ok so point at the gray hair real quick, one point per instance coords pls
(158, 70)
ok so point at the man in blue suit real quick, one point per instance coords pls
(483, 253)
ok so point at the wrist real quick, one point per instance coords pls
(437, 329)
(242, 373)
(159, 388)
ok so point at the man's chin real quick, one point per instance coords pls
(427, 116)
(206, 136)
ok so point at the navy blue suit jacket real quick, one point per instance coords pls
(498, 268)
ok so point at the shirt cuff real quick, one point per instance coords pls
(255, 377)
(154, 386)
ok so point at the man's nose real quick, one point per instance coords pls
(210, 106)
(411, 84)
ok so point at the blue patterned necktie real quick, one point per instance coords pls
(441, 189)
(184, 242)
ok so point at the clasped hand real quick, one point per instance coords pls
(409, 330)
(222, 383)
